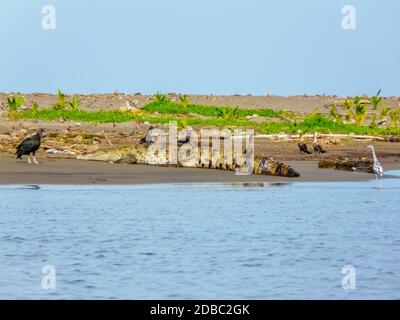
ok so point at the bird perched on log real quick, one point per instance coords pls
(29, 146)
(316, 146)
(184, 136)
(147, 139)
(302, 145)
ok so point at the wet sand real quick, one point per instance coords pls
(65, 171)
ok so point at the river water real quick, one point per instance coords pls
(201, 241)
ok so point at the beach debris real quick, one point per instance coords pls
(61, 151)
(108, 140)
(394, 139)
(78, 139)
(20, 134)
(382, 122)
(254, 116)
(128, 107)
(64, 132)
(347, 165)
(333, 141)
(5, 137)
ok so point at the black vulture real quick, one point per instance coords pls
(317, 147)
(29, 146)
(302, 146)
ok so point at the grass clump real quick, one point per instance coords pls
(184, 101)
(101, 116)
(319, 123)
(161, 98)
(14, 104)
(312, 123)
(394, 115)
(62, 104)
(74, 104)
(170, 107)
(357, 110)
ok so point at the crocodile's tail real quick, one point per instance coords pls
(271, 167)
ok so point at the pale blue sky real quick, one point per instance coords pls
(201, 46)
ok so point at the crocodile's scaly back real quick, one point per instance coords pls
(272, 167)
(217, 160)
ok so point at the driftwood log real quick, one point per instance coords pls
(347, 165)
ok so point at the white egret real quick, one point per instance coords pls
(378, 169)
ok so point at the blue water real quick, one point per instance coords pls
(212, 241)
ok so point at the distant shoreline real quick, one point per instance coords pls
(107, 101)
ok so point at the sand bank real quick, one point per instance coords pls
(64, 171)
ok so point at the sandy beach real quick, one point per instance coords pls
(84, 137)
(63, 171)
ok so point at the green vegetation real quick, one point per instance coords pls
(74, 104)
(61, 104)
(335, 115)
(356, 110)
(14, 103)
(360, 110)
(312, 123)
(185, 113)
(51, 114)
(228, 113)
(184, 101)
(103, 116)
(174, 108)
(395, 117)
(375, 100)
(161, 98)
(35, 109)
(319, 123)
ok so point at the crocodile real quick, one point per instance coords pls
(138, 154)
